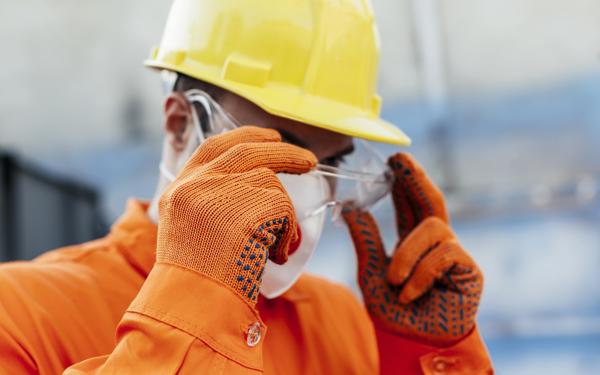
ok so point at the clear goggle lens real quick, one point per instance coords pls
(361, 179)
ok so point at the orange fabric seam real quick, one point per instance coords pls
(195, 330)
(48, 259)
(221, 284)
(184, 325)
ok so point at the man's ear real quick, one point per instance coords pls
(177, 114)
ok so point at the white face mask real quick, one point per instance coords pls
(307, 192)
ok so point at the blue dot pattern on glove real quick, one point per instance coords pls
(447, 311)
(252, 260)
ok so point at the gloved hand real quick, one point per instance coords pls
(430, 288)
(227, 212)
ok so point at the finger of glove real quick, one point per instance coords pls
(216, 145)
(276, 156)
(415, 196)
(281, 231)
(423, 239)
(287, 233)
(370, 252)
(465, 277)
(433, 267)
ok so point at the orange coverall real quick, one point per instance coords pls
(63, 308)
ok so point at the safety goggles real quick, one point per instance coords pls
(361, 179)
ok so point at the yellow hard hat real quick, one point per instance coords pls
(314, 61)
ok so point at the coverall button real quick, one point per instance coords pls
(440, 365)
(253, 335)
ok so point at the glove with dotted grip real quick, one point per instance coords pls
(227, 212)
(429, 290)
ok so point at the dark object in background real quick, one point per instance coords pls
(40, 211)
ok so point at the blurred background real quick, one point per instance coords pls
(501, 98)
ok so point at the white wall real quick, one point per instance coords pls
(492, 45)
(67, 68)
(513, 44)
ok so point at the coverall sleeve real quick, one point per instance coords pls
(182, 322)
(403, 356)
(62, 307)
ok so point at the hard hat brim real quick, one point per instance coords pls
(309, 109)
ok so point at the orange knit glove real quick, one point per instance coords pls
(227, 212)
(430, 289)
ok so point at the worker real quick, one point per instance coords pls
(265, 102)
